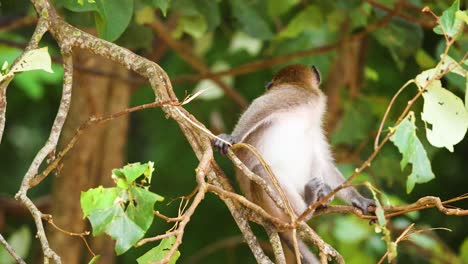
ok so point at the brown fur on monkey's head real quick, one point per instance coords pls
(298, 75)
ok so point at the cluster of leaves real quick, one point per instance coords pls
(444, 114)
(125, 212)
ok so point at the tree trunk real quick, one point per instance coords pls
(98, 150)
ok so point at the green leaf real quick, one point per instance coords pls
(34, 83)
(413, 152)
(95, 259)
(210, 10)
(371, 74)
(36, 59)
(354, 116)
(403, 39)
(193, 25)
(241, 41)
(443, 110)
(124, 212)
(122, 183)
(101, 218)
(277, 8)
(133, 171)
(20, 241)
(144, 15)
(158, 253)
(464, 249)
(424, 60)
(466, 93)
(211, 89)
(125, 231)
(140, 210)
(98, 198)
(251, 22)
(311, 17)
(111, 17)
(114, 222)
(462, 15)
(360, 15)
(161, 4)
(447, 114)
(149, 171)
(449, 21)
(448, 63)
(351, 230)
(380, 213)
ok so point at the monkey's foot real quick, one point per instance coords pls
(315, 190)
(364, 204)
(221, 145)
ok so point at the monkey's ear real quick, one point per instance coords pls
(316, 73)
(268, 85)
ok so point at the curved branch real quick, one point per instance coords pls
(49, 147)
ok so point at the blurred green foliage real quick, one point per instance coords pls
(394, 53)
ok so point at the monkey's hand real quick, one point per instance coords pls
(364, 204)
(222, 146)
(315, 190)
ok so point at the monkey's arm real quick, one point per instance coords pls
(261, 112)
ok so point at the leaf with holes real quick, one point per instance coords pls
(447, 115)
(160, 252)
(98, 198)
(36, 59)
(140, 210)
(413, 152)
(114, 222)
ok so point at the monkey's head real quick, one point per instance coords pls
(297, 74)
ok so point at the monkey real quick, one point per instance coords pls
(285, 126)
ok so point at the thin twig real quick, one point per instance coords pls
(91, 122)
(82, 235)
(168, 219)
(157, 238)
(387, 111)
(420, 21)
(11, 251)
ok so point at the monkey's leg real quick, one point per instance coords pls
(307, 257)
(261, 198)
(315, 189)
(349, 195)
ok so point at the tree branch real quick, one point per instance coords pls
(11, 250)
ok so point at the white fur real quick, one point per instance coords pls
(296, 149)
